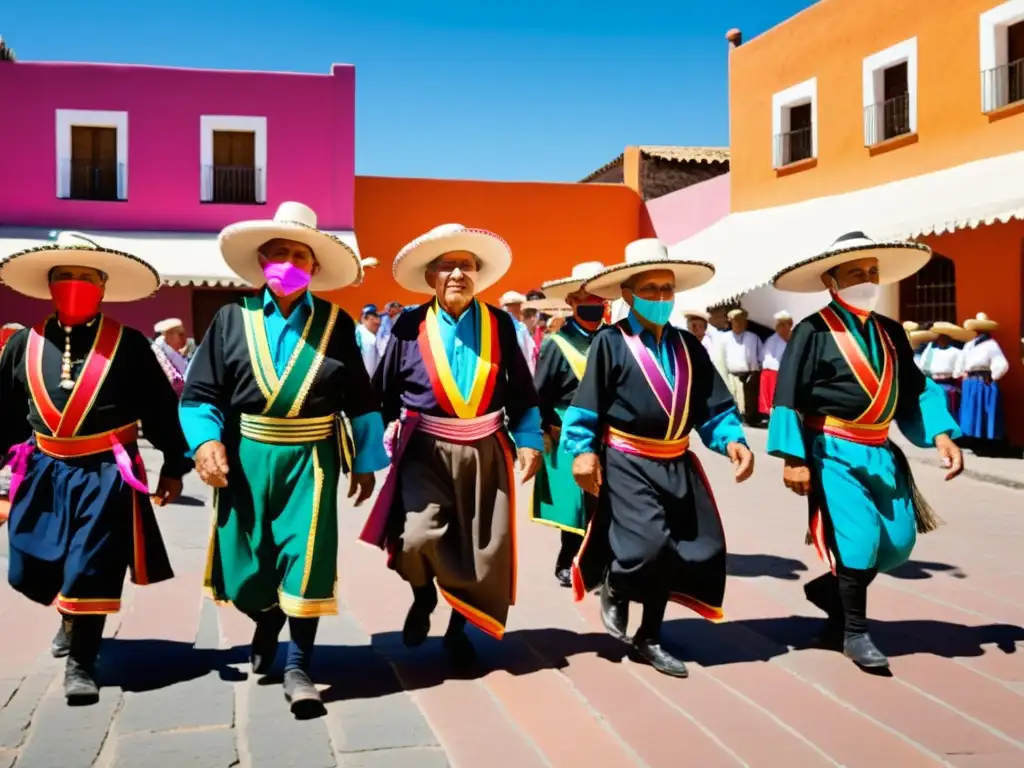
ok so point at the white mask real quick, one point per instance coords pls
(863, 296)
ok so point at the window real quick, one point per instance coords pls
(92, 155)
(930, 295)
(794, 124)
(890, 93)
(1002, 56)
(233, 159)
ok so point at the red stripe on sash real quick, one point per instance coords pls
(34, 373)
(492, 377)
(94, 372)
(427, 354)
(879, 389)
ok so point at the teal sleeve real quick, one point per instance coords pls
(931, 418)
(368, 436)
(579, 431)
(786, 434)
(722, 429)
(527, 432)
(201, 423)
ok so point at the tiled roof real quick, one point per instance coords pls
(674, 154)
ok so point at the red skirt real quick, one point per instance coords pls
(767, 391)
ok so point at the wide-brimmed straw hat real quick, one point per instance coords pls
(981, 324)
(952, 330)
(919, 337)
(645, 256)
(910, 326)
(339, 265)
(897, 260)
(511, 297)
(559, 289)
(168, 325)
(411, 262)
(549, 306)
(129, 278)
(688, 313)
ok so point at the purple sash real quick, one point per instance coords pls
(375, 530)
(668, 397)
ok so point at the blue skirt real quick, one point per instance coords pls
(76, 528)
(981, 409)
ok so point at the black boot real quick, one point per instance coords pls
(302, 695)
(265, 639)
(857, 643)
(80, 687)
(61, 643)
(417, 621)
(457, 643)
(571, 543)
(647, 642)
(614, 613)
(823, 593)
(860, 649)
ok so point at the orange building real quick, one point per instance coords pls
(901, 118)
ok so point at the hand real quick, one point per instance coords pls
(797, 477)
(742, 458)
(529, 462)
(361, 482)
(586, 470)
(5, 510)
(212, 464)
(167, 491)
(548, 443)
(951, 456)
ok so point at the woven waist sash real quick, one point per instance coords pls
(863, 434)
(274, 431)
(648, 447)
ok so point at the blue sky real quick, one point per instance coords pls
(547, 91)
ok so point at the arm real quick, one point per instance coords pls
(921, 412)
(387, 386)
(360, 401)
(521, 401)
(14, 426)
(582, 427)
(712, 409)
(999, 364)
(207, 393)
(785, 428)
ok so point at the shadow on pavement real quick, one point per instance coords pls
(753, 566)
(188, 501)
(918, 569)
(147, 665)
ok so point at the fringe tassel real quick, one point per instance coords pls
(808, 539)
(927, 519)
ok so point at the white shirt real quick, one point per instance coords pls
(525, 339)
(708, 343)
(367, 348)
(938, 362)
(771, 352)
(742, 352)
(983, 355)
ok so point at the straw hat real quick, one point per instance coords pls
(559, 289)
(411, 262)
(979, 323)
(240, 243)
(548, 306)
(919, 337)
(897, 260)
(952, 330)
(168, 325)
(696, 313)
(910, 326)
(644, 256)
(781, 316)
(511, 297)
(129, 278)
(738, 312)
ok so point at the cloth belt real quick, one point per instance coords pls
(648, 447)
(462, 430)
(274, 431)
(982, 373)
(863, 434)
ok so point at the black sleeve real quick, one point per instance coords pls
(359, 396)
(549, 379)
(14, 426)
(597, 389)
(387, 385)
(796, 369)
(521, 394)
(208, 380)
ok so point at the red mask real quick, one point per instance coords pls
(77, 301)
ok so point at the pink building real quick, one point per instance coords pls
(685, 212)
(156, 160)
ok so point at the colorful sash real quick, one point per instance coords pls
(286, 395)
(435, 360)
(576, 359)
(674, 400)
(648, 448)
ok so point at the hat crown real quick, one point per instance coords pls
(297, 213)
(648, 249)
(75, 240)
(586, 270)
(981, 316)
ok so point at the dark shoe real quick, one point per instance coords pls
(302, 695)
(654, 654)
(614, 614)
(80, 687)
(417, 621)
(459, 648)
(564, 576)
(61, 644)
(860, 649)
(265, 640)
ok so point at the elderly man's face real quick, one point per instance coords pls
(738, 323)
(394, 310)
(515, 309)
(697, 326)
(83, 274)
(372, 322)
(784, 328)
(655, 285)
(453, 278)
(297, 254)
(719, 318)
(852, 273)
(176, 338)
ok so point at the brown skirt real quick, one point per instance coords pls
(454, 518)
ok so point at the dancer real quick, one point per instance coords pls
(983, 365)
(261, 412)
(75, 387)
(557, 500)
(451, 375)
(656, 534)
(847, 373)
(943, 363)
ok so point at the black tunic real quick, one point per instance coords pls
(554, 378)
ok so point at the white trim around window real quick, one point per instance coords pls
(66, 119)
(874, 85)
(210, 123)
(993, 48)
(802, 93)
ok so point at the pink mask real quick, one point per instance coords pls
(284, 278)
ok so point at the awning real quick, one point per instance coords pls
(181, 258)
(750, 247)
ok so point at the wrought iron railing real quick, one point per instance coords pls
(1002, 86)
(793, 146)
(887, 119)
(237, 184)
(88, 180)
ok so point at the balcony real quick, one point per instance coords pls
(232, 184)
(1002, 86)
(793, 146)
(88, 180)
(887, 120)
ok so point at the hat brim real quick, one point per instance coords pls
(688, 274)
(549, 306)
(954, 332)
(129, 278)
(339, 266)
(921, 337)
(981, 326)
(559, 289)
(896, 261)
(411, 263)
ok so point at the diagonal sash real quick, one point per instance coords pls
(882, 389)
(439, 370)
(668, 397)
(576, 359)
(87, 387)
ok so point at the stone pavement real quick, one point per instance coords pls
(557, 691)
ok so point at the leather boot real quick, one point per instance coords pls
(61, 644)
(859, 648)
(614, 613)
(80, 687)
(417, 621)
(647, 642)
(265, 639)
(457, 643)
(564, 577)
(302, 695)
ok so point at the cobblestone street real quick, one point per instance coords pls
(557, 691)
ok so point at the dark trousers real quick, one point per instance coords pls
(571, 543)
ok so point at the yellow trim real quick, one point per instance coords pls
(463, 409)
(210, 548)
(264, 345)
(576, 359)
(277, 431)
(832, 421)
(686, 402)
(304, 607)
(318, 490)
(248, 323)
(314, 367)
(103, 376)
